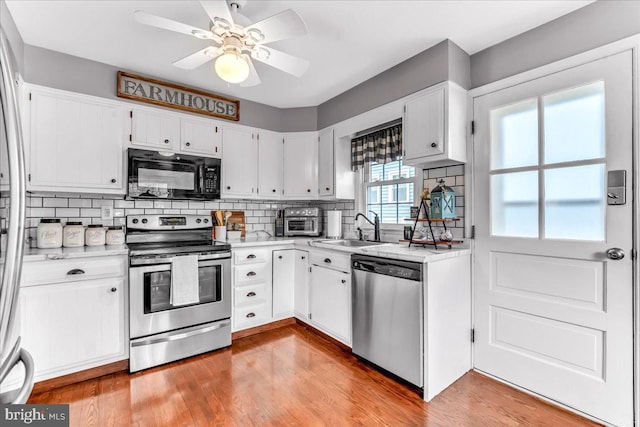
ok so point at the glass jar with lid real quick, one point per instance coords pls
(73, 234)
(115, 236)
(49, 233)
(95, 235)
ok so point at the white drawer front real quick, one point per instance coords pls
(331, 260)
(244, 317)
(254, 273)
(251, 294)
(67, 270)
(250, 255)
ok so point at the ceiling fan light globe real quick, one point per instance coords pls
(232, 68)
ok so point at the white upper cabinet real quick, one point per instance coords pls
(240, 162)
(270, 158)
(75, 143)
(300, 167)
(201, 136)
(326, 165)
(335, 178)
(434, 126)
(155, 129)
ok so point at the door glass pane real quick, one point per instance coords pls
(575, 203)
(574, 124)
(514, 135)
(514, 204)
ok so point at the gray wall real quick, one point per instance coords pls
(594, 25)
(61, 71)
(13, 37)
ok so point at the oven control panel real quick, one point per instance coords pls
(168, 222)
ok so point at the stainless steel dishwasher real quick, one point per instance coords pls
(387, 299)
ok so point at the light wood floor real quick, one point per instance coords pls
(291, 377)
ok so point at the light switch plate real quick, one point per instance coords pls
(106, 212)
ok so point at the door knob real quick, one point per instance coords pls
(615, 254)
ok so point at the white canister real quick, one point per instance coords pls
(115, 236)
(95, 235)
(49, 234)
(73, 234)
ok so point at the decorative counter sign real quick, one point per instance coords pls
(170, 95)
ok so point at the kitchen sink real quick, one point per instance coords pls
(353, 243)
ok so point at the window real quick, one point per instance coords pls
(389, 191)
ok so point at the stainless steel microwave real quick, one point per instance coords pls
(159, 175)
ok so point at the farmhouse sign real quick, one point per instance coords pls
(170, 95)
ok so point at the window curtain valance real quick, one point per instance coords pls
(381, 146)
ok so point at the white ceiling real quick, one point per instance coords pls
(348, 41)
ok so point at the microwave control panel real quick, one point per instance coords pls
(211, 177)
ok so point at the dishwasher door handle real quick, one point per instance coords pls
(359, 265)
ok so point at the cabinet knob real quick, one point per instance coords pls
(303, 257)
(188, 144)
(166, 141)
(250, 315)
(274, 190)
(251, 274)
(326, 188)
(327, 260)
(228, 187)
(308, 190)
(343, 281)
(113, 180)
(75, 271)
(251, 294)
(434, 145)
(279, 256)
(114, 289)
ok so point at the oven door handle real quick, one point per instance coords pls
(162, 264)
(174, 337)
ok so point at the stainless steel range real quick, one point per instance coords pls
(180, 289)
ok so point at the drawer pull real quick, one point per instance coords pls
(251, 294)
(75, 271)
(166, 141)
(114, 289)
(303, 257)
(251, 274)
(250, 315)
(327, 260)
(251, 256)
(279, 256)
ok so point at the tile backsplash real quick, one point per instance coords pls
(259, 214)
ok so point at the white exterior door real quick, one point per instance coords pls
(553, 312)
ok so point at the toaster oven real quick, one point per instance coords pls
(303, 222)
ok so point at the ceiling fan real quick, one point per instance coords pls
(235, 41)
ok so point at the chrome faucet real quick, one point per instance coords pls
(375, 223)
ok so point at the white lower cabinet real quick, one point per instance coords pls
(75, 322)
(330, 295)
(251, 282)
(301, 285)
(283, 283)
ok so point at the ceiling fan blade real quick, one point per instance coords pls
(167, 24)
(195, 59)
(253, 79)
(283, 25)
(217, 9)
(284, 62)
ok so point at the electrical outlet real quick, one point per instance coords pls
(106, 212)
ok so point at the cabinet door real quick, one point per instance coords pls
(68, 326)
(424, 124)
(75, 144)
(330, 302)
(155, 129)
(301, 287)
(326, 166)
(270, 158)
(283, 282)
(201, 137)
(300, 177)
(239, 163)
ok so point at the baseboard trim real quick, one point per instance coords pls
(77, 377)
(262, 328)
(324, 336)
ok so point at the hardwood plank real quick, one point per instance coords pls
(291, 376)
(262, 328)
(76, 377)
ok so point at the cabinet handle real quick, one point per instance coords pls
(251, 256)
(114, 289)
(188, 144)
(343, 281)
(434, 145)
(166, 141)
(113, 180)
(327, 260)
(75, 271)
(2, 176)
(251, 274)
(250, 315)
(251, 294)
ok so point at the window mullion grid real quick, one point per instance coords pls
(541, 195)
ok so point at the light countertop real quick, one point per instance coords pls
(266, 241)
(34, 254)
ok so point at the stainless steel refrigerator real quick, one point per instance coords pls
(12, 229)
